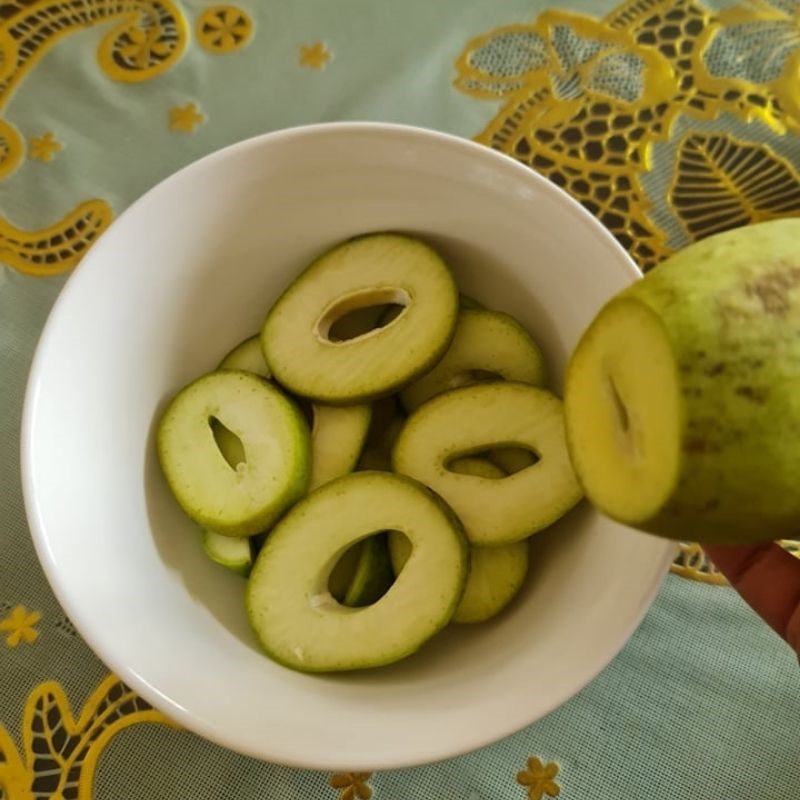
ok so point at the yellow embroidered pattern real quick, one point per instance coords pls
(720, 183)
(57, 248)
(148, 38)
(60, 754)
(692, 562)
(19, 626)
(315, 56)
(352, 785)
(539, 779)
(44, 148)
(223, 29)
(586, 102)
(185, 118)
(600, 106)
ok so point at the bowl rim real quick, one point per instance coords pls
(467, 741)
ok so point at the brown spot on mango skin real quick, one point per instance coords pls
(715, 369)
(773, 290)
(697, 445)
(756, 394)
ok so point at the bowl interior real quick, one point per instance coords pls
(185, 274)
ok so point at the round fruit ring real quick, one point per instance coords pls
(301, 625)
(480, 418)
(361, 273)
(246, 499)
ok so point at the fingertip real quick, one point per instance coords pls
(768, 578)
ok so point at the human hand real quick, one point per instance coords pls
(768, 578)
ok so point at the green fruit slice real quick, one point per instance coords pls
(387, 420)
(248, 499)
(501, 414)
(337, 433)
(342, 574)
(486, 343)
(496, 574)
(683, 396)
(480, 467)
(378, 455)
(248, 357)
(232, 552)
(296, 619)
(363, 574)
(362, 272)
(624, 420)
(373, 574)
(495, 578)
(512, 459)
(337, 438)
(357, 323)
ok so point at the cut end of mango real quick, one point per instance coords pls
(624, 413)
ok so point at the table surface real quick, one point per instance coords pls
(638, 109)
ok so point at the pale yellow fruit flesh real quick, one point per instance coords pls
(337, 438)
(623, 413)
(496, 574)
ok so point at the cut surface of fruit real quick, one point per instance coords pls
(486, 345)
(502, 414)
(512, 459)
(373, 575)
(232, 552)
(363, 574)
(381, 438)
(342, 573)
(363, 320)
(337, 432)
(248, 357)
(708, 392)
(367, 271)
(274, 472)
(480, 467)
(623, 412)
(496, 575)
(337, 439)
(294, 616)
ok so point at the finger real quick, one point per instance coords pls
(768, 578)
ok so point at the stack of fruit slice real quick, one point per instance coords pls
(374, 461)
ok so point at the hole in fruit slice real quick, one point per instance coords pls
(513, 459)
(622, 411)
(363, 574)
(495, 463)
(361, 313)
(229, 444)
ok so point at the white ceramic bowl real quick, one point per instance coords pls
(183, 275)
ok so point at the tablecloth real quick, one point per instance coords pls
(667, 120)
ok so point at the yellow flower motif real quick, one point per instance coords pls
(143, 45)
(59, 753)
(539, 778)
(315, 56)
(19, 625)
(185, 118)
(352, 785)
(223, 29)
(44, 147)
